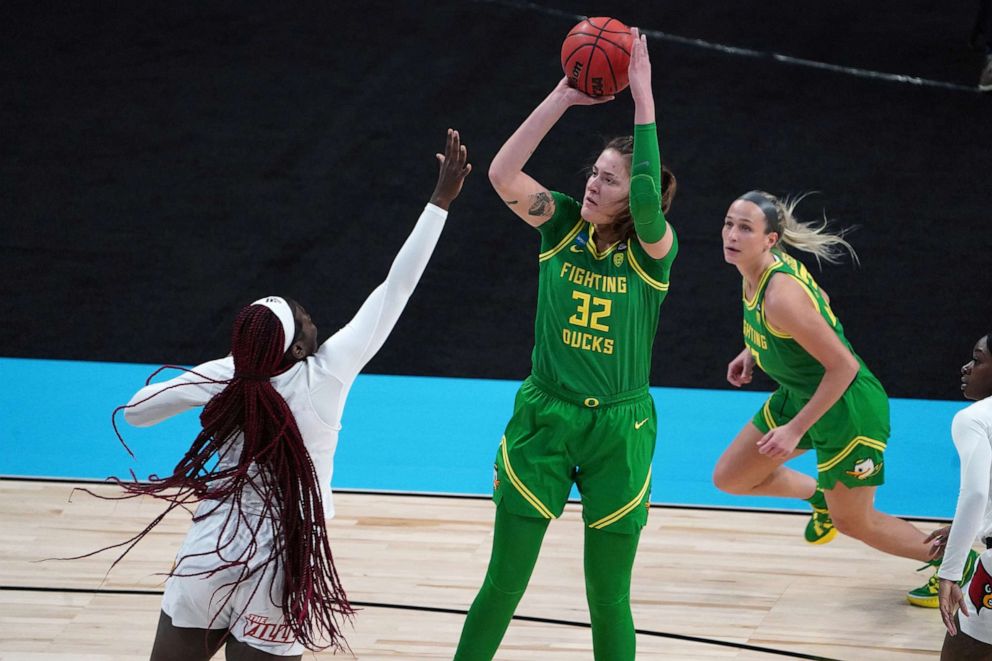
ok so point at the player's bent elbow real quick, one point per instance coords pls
(499, 178)
(852, 367)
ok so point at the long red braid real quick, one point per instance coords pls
(275, 465)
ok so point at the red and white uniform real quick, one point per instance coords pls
(972, 432)
(315, 390)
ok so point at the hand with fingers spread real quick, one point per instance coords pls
(951, 600)
(454, 167)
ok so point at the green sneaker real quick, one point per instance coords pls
(925, 596)
(820, 528)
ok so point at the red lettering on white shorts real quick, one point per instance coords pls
(259, 628)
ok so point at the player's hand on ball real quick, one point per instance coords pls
(454, 167)
(574, 97)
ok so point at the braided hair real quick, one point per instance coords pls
(275, 465)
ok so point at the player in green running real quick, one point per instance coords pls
(827, 400)
(584, 415)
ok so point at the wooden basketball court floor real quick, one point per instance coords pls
(708, 584)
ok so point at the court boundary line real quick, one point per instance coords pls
(452, 611)
(866, 74)
(470, 496)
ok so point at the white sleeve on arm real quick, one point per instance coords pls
(158, 401)
(348, 350)
(972, 440)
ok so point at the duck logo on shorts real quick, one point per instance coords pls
(495, 477)
(864, 468)
(980, 590)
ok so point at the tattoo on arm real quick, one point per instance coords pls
(509, 203)
(541, 204)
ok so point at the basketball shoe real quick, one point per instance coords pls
(820, 528)
(925, 596)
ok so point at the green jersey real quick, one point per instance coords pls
(777, 353)
(597, 312)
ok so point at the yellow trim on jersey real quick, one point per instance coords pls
(572, 233)
(766, 411)
(519, 486)
(592, 244)
(761, 283)
(809, 293)
(840, 456)
(639, 270)
(626, 509)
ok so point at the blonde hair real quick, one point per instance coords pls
(811, 237)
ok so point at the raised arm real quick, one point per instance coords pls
(789, 309)
(653, 231)
(525, 196)
(348, 350)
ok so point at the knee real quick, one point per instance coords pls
(605, 598)
(506, 583)
(854, 525)
(608, 603)
(728, 480)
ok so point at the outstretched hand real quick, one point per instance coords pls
(639, 69)
(639, 77)
(574, 97)
(454, 168)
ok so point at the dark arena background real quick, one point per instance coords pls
(165, 163)
(162, 164)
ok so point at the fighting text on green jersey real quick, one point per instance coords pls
(775, 352)
(597, 311)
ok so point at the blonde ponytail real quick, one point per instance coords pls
(811, 237)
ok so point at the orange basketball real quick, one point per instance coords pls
(595, 55)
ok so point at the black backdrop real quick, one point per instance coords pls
(162, 164)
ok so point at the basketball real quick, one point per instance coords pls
(595, 55)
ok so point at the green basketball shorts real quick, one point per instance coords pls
(849, 439)
(604, 445)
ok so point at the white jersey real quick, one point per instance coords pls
(316, 388)
(972, 433)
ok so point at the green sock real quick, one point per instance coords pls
(817, 500)
(516, 543)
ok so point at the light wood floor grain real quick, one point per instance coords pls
(742, 578)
